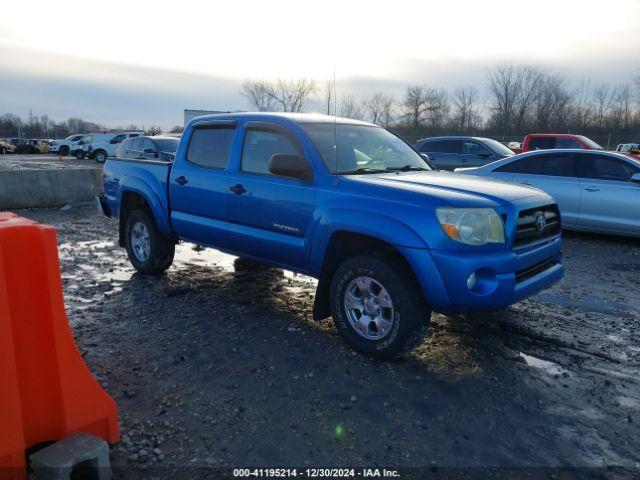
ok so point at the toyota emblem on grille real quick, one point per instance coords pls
(541, 222)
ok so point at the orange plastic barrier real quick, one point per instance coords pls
(46, 389)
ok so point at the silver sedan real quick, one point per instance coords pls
(596, 191)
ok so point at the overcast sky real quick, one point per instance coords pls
(143, 62)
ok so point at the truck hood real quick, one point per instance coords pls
(452, 187)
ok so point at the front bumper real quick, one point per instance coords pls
(503, 278)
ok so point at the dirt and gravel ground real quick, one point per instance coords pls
(217, 369)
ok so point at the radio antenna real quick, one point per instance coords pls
(335, 119)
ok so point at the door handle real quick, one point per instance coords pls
(592, 189)
(238, 189)
(182, 180)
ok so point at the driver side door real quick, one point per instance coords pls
(269, 215)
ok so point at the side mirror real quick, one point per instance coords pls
(635, 178)
(425, 157)
(292, 166)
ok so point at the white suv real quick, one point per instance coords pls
(100, 146)
(63, 147)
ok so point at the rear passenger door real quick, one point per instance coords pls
(269, 215)
(610, 200)
(555, 174)
(443, 154)
(198, 185)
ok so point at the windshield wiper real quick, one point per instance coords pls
(407, 168)
(363, 170)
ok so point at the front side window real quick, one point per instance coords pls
(600, 167)
(473, 148)
(118, 138)
(148, 146)
(260, 146)
(210, 146)
(348, 148)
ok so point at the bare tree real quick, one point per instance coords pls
(513, 90)
(582, 107)
(415, 106)
(258, 94)
(552, 104)
(622, 106)
(466, 111)
(330, 96)
(438, 107)
(602, 99)
(292, 95)
(351, 107)
(378, 108)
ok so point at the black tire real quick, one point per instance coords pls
(100, 156)
(161, 248)
(64, 151)
(411, 314)
(79, 155)
(2, 151)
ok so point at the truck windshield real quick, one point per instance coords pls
(593, 145)
(360, 149)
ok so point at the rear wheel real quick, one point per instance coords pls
(148, 249)
(377, 306)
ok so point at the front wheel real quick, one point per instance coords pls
(148, 249)
(64, 151)
(377, 306)
(100, 156)
(79, 154)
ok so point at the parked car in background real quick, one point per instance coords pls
(633, 148)
(103, 145)
(596, 191)
(388, 239)
(550, 141)
(33, 146)
(447, 153)
(6, 147)
(158, 147)
(63, 147)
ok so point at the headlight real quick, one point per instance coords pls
(471, 226)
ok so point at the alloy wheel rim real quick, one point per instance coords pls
(369, 308)
(140, 241)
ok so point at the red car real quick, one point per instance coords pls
(548, 141)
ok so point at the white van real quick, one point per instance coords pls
(100, 146)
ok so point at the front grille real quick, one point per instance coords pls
(529, 224)
(534, 270)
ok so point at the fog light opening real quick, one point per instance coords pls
(472, 280)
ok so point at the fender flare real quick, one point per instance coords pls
(142, 188)
(379, 226)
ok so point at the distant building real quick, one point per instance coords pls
(190, 114)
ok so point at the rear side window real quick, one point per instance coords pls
(260, 146)
(210, 146)
(135, 144)
(600, 167)
(442, 146)
(542, 143)
(550, 165)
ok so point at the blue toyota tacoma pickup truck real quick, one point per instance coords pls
(389, 239)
